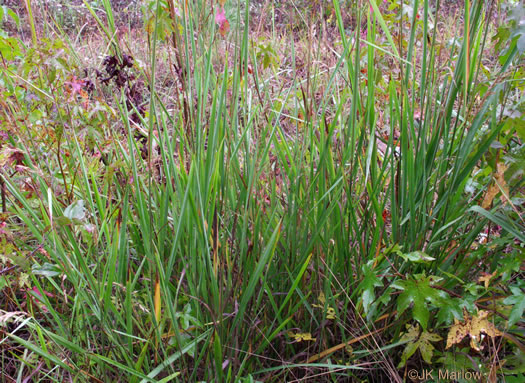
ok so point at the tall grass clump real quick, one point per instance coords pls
(230, 232)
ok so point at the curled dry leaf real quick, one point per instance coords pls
(499, 185)
(302, 336)
(485, 278)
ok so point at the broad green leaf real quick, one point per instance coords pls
(368, 284)
(9, 47)
(76, 211)
(417, 257)
(4, 12)
(448, 310)
(409, 350)
(47, 270)
(517, 299)
(417, 292)
(411, 334)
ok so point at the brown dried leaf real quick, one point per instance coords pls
(500, 182)
(491, 193)
(485, 278)
(474, 327)
(456, 333)
(499, 185)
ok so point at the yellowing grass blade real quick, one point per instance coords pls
(157, 301)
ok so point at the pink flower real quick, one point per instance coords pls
(220, 17)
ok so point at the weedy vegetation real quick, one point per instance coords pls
(242, 191)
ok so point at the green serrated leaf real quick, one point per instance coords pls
(367, 286)
(450, 309)
(518, 302)
(409, 350)
(416, 341)
(417, 292)
(425, 345)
